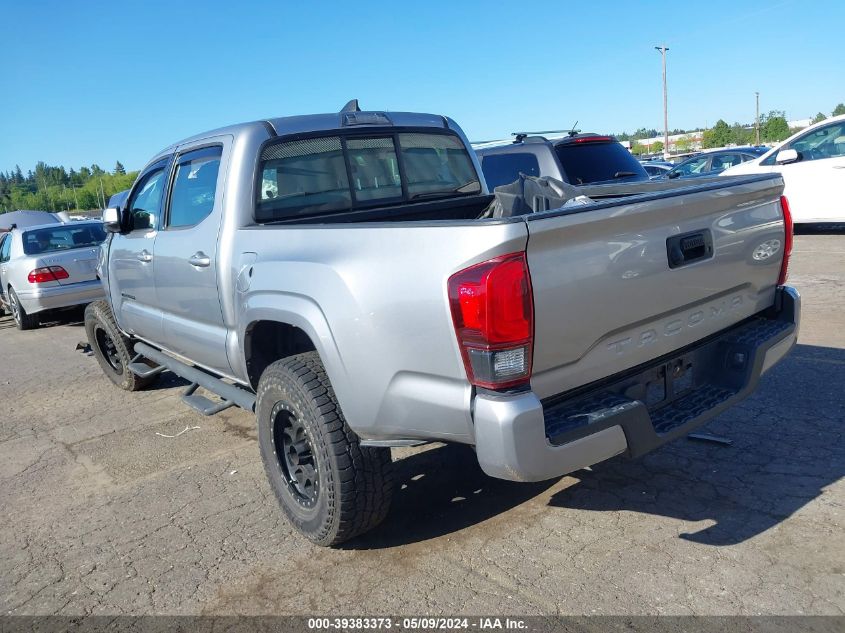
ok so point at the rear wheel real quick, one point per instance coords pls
(330, 487)
(23, 320)
(111, 348)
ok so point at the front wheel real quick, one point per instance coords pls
(23, 320)
(330, 487)
(111, 348)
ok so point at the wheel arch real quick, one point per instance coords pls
(277, 326)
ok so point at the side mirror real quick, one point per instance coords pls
(786, 156)
(111, 220)
(674, 174)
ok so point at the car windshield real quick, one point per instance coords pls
(62, 237)
(588, 162)
(330, 174)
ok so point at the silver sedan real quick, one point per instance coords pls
(48, 267)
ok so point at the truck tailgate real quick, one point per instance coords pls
(617, 284)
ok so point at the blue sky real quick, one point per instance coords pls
(94, 82)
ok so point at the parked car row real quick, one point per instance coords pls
(48, 267)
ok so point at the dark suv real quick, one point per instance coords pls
(578, 159)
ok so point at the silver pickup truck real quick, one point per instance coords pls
(343, 276)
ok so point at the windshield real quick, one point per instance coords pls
(62, 237)
(330, 174)
(588, 162)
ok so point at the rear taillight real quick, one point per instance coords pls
(50, 273)
(787, 240)
(494, 320)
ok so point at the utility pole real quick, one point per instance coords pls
(757, 121)
(663, 50)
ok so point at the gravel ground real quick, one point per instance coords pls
(103, 516)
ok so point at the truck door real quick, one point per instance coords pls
(186, 267)
(131, 264)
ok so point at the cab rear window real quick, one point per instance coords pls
(331, 174)
(62, 238)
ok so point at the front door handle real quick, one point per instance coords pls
(199, 259)
(145, 256)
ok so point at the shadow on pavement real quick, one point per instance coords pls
(787, 447)
(833, 228)
(442, 491)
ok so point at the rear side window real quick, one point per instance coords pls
(589, 162)
(5, 247)
(325, 175)
(503, 169)
(62, 238)
(194, 186)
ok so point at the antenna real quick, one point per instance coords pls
(351, 106)
(573, 131)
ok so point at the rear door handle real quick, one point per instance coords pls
(145, 256)
(199, 259)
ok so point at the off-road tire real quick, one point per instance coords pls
(100, 325)
(354, 483)
(23, 320)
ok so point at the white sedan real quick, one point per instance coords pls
(812, 163)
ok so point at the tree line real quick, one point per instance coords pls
(51, 188)
(773, 128)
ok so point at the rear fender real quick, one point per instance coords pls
(299, 311)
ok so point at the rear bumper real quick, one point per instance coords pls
(520, 438)
(40, 299)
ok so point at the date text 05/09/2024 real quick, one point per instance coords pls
(418, 623)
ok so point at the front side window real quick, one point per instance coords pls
(825, 142)
(694, 166)
(145, 205)
(317, 176)
(62, 238)
(194, 186)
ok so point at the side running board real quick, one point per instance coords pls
(231, 394)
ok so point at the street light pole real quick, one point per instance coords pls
(757, 121)
(663, 50)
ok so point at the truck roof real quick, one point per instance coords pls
(301, 124)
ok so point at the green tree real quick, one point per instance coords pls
(775, 128)
(840, 109)
(683, 144)
(657, 147)
(717, 136)
(119, 169)
(818, 118)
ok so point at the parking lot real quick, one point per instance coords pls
(102, 515)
